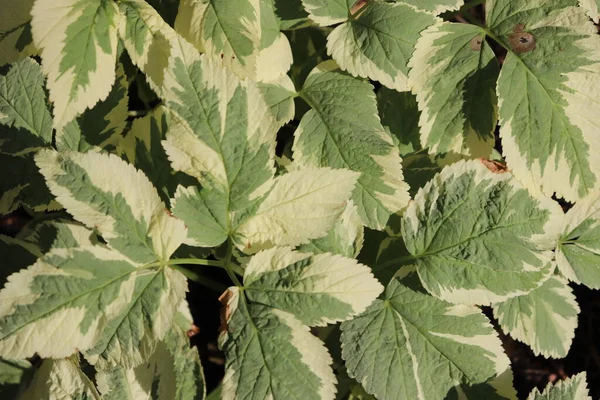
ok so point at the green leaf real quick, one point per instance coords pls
(243, 35)
(107, 307)
(309, 47)
(302, 205)
(410, 345)
(279, 96)
(574, 388)
(173, 372)
(15, 31)
(105, 193)
(545, 318)
(270, 354)
(291, 14)
(342, 130)
(318, 289)
(78, 39)
(578, 251)
(13, 373)
(58, 380)
(548, 104)
(435, 6)
(102, 125)
(592, 7)
(400, 115)
(23, 186)
(378, 43)
(454, 72)
(26, 123)
(345, 238)
(16, 254)
(222, 133)
(497, 388)
(478, 236)
(204, 212)
(328, 12)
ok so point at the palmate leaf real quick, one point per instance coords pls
(378, 43)
(545, 318)
(411, 345)
(173, 372)
(453, 73)
(548, 105)
(58, 380)
(270, 354)
(15, 31)
(343, 130)
(78, 40)
(578, 251)
(244, 35)
(302, 205)
(478, 236)
(317, 289)
(25, 121)
(92, 300)
(104, 192)
(574, 388)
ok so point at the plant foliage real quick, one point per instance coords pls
(338, 159)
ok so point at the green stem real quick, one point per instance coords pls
(229, 267)
(397, 261)
(209, 283)
(486, 30)
(207, 263)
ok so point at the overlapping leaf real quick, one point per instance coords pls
(317, 289)
(545, 318)
(270, 354)
(15, 31)
(498, 388)
(379, 41)
(343, 130)
(435, 6)
(478, 236)
(411, 345)
(574, 388)
(104, 192)
(244, 35)
(78, 40)
(592, 7)
(92, 300)
(549, 92)
(58, 380)
(578, 251)
(328, 12)
(453, 73)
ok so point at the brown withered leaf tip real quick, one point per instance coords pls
(225, 311)
(494, 166)
(193, 331)
(521, 41)
(476, 43)
(358, 6)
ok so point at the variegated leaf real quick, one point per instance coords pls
(410, 345)
(243, 35)
(478, 236)
(343, 130)
(328, 12)
(498, 388)
(60, 380)
(14, 374)
(104, 192)
(101, 126)
(399, 113)
(578, 251)
(291, 14)
(302, 205)
(548, 106)
(545, 318)
(453, 73)
(279, 95)
(270, 354)
(318, 289)
(92, 300)
(25, 121)
(574, 388)
(78, 40)
(345, 238)
(378, 43)
(593, 9)
(434, 6)
(173, 372)
(15, 31)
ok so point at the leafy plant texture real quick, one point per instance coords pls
(356, 179)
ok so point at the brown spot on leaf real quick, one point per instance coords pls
(521, 41)
(494, 166)
(225, 311)
(476, 43)
(193, 331)
(359, 5)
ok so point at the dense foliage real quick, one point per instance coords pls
(392, 166)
